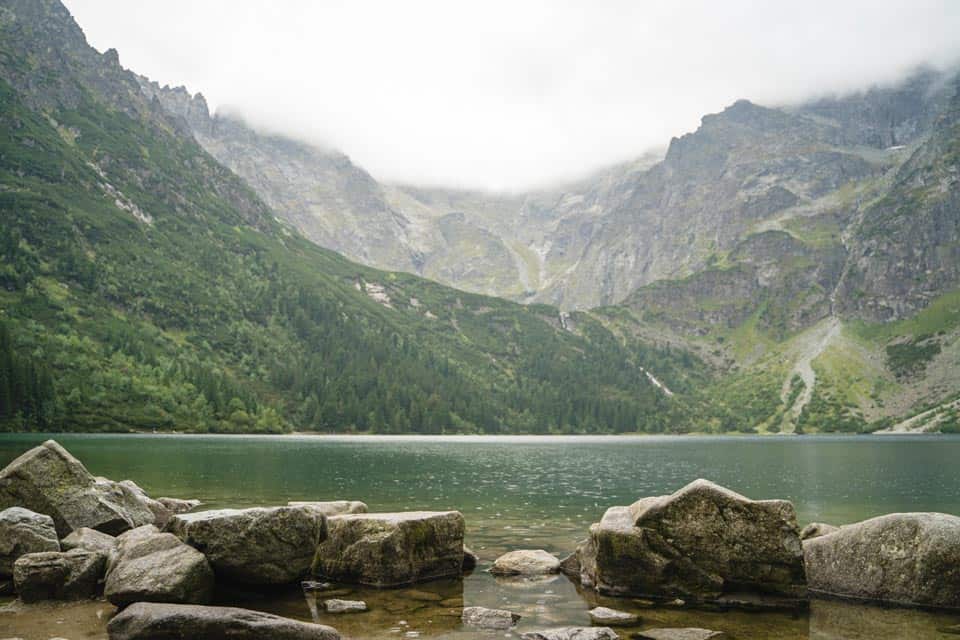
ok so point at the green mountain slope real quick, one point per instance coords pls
(143, 285)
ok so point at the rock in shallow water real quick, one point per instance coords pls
(470, 559)
(572, 633)
(698, 543)
(612, 617)
(48, 480)
(151, 621)
(391, 549)
(332, 507)
(272, 545)
(688, 633)
(56, 575)
(903, 558)
(485, 618)
(525, 562)
(344, 606)
(21, 532)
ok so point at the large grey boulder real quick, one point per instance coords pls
(333, 507)
(484, 618)
(157, 567)
(22, 531)
(903, 558)
(48, 480)
(89, 540)
(572, 633)
(525, 562)
(697, 544)
(274, 545)
(392, 549)
(687, 633)
(154, 621)
(58, 575)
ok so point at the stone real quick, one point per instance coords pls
(334, 507)
(157, 621)
(158, 567)
(392, 549)
(485, 618)
(48, 480)
(58, 575)
(179, 505)
(89, 540)
(257, 546)
(21, 532)
(612, 617)
(688, 633)
(344, 606)
(817, 529)
(910, 559)
(570, 566)
(572, 633)
(697, 544)
(161, 513)
(525, 562)
(470, 559)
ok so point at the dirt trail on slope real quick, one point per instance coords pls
(810, 347)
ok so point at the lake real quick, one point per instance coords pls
(522, 492)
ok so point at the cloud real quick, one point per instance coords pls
(511, 94)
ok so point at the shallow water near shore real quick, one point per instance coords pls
(520, 492)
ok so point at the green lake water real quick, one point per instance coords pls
(522, 492)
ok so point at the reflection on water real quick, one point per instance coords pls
(521, 493)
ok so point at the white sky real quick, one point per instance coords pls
(507, 95)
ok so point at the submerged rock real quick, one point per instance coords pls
(485, 618)
(525, 562)
(21, 532)
(392, 549)
(344, 606)
(333, 507)
(817, 529)
(612, 617)
(274, 545)
(908, 559)
(698, 543)
(48, 480)
(688, 633)
(158, 567)
(153, 621)
(572, 633)
(89, 540)
(58, 575)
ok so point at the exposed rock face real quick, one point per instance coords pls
(89, 540)
(152, 621)
(612, 617)
(344, 606)
(158, 567)
(55, 575)
(254, 546)
(47, 479)
(334, 507)
(817, 529)
(902, 558)
(392, 549)
(689, 633)
(485, 618)
(525, 562)
(572, 633)
(698, 543)
(22, 531)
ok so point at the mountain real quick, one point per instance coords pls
(144, 285)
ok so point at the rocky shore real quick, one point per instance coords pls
(68, 535)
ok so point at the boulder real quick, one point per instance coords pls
(48, 480)
(688, 633)
(910, 559)
(155, 621)
(525, 562)
(391, 549)
(572, 633)
(262, 546)
(470, 559)
(344, 606)
(817, 529)
(570, 566)
(157, 567)
(161, 513)
(612, 617)
(334, 507)
(22, 531)
(89, 540)
(179, 505)
(58, 575)
(484, 618)
(699, 543)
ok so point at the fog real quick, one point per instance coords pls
(509, 95)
